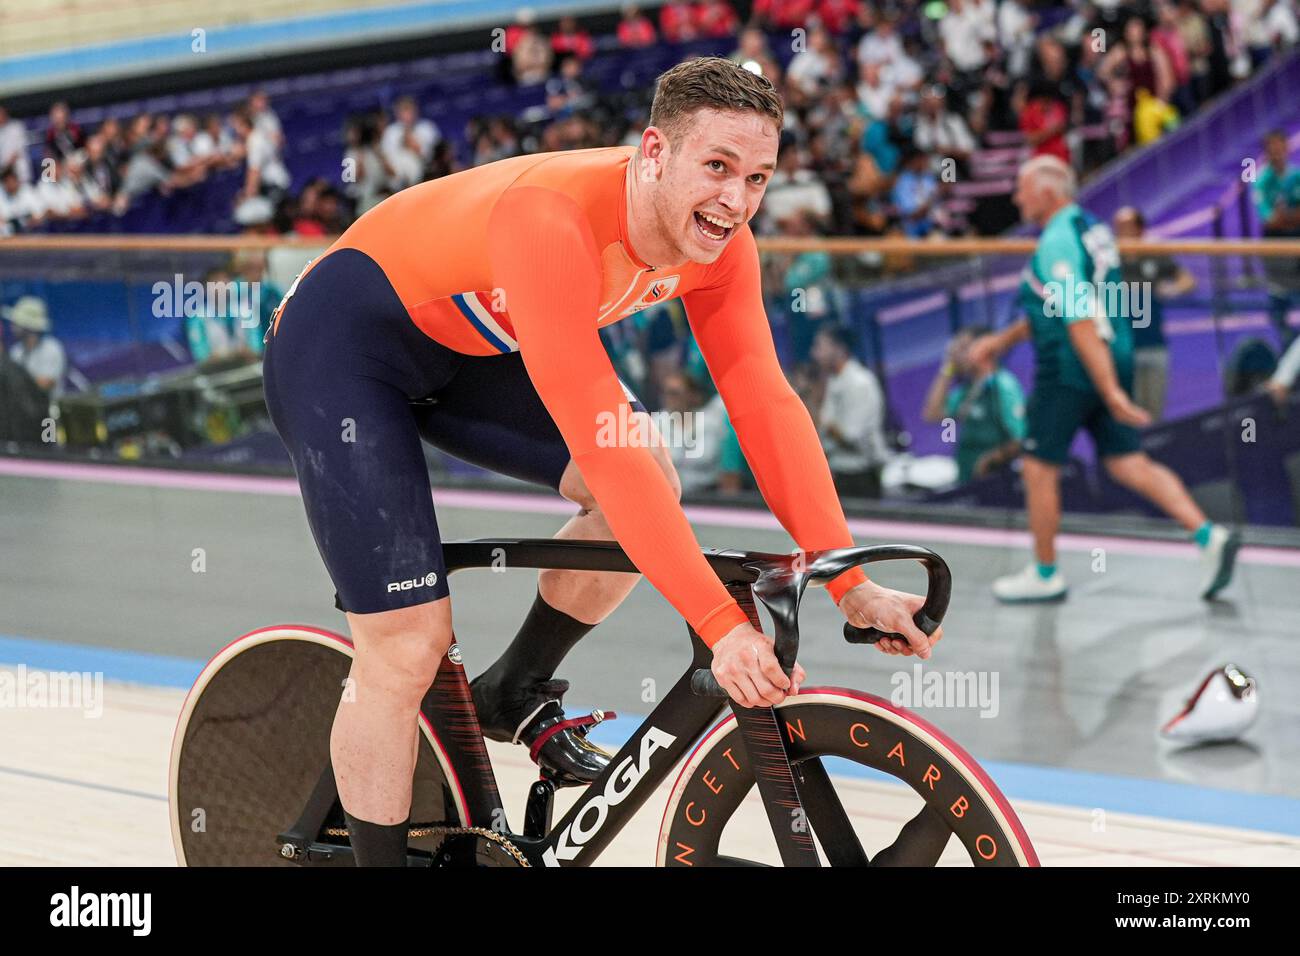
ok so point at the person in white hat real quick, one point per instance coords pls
(40, 353)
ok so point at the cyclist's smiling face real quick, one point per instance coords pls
(715, 172)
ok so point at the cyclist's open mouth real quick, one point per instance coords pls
(713, 228)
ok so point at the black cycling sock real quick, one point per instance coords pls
(919, 843)
(545, 637)
(377, 844)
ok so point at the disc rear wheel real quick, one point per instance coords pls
(252, 743)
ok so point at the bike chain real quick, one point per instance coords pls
(416, 832)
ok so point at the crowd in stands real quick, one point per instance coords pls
(888, 107)
(80, 174)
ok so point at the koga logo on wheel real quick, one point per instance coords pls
(428, 581)
(588, 821)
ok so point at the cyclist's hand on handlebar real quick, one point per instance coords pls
(746, 667)
(870, 605)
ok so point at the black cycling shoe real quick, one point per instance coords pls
(530, 714)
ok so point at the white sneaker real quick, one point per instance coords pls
(1217, 560)
(1029, 586)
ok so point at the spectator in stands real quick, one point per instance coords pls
(531, 58)
(807, 282)
(985, 403)
(635, 29)
(211, 335)
(915, 195)
(1266, 25)
(317, 210)
(753, 48)
(817, 68)
(794, 188)
(264, 118)
(1090, 102)
(838, 16)
(1281, 29)
(1154, 278)
(966, 33)
(851, 417)
(880, 152)
(1138, 64)
(146, 171)
(444, 161)
(1277, 204)
(669, 346)
(253, 288)
(366, 173)
(13, 146)
(58, 193)
(701, 441)
(20, 206)
(99, 176)
(1152, 118)
(783, 15)
(834, 126)
(214, 142)
(1194, 30)
(566, 93)
(715, 18)
(93, 197)
(407, 144)
(525, 21)
(62, 137)
(1052, 72)
(1223, 46)
(1016, 25)
(494, 139)
(136, 135)
(881, 44)
(266, 179)
(37, 350)
(1044, 119)
(873, 92)
(182, 149)
(1285, 375)
(570, 40)
(941, 132)
(115, 147)
(1166, 35)
(677, 22)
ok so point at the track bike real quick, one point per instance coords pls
(251, 781)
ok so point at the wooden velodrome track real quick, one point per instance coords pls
(89, 791)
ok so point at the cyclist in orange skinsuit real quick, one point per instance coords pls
(517, 265)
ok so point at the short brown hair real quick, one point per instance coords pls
(711, 82)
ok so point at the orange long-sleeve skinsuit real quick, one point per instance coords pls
(531, 255)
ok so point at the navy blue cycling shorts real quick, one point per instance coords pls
(353, 386)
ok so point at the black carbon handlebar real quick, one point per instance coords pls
(781, 582)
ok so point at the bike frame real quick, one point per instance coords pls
(674, 727)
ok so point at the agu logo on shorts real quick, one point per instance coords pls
(428, 581)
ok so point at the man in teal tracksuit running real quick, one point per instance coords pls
(1080, 317)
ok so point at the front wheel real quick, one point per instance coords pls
(869, 732)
